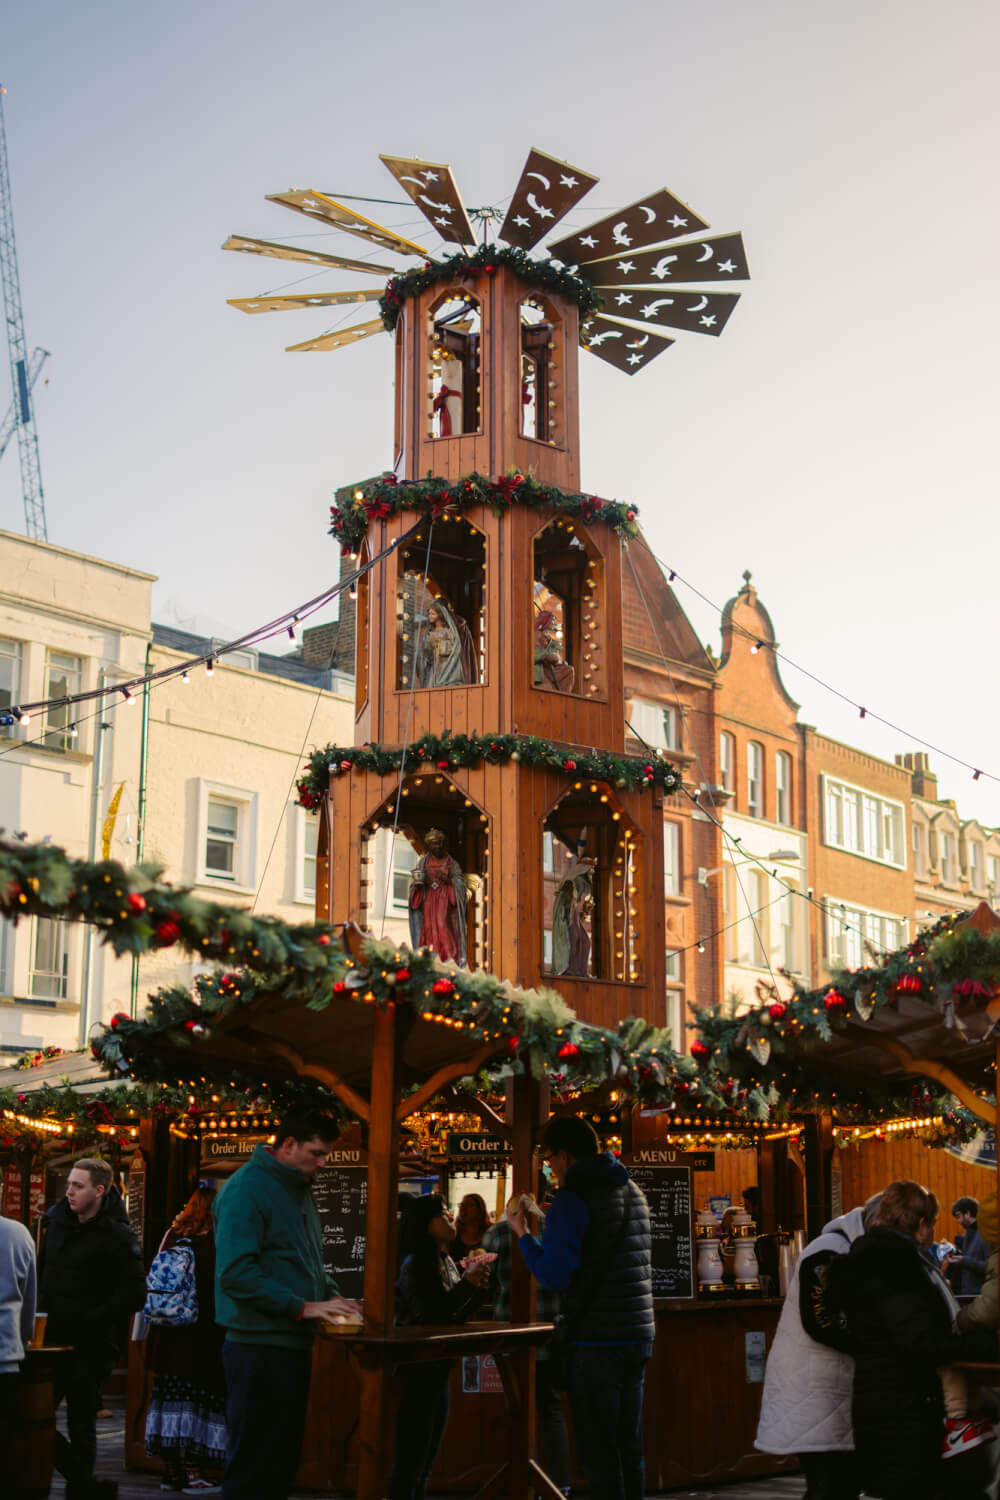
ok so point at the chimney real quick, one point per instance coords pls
(331, 646)
(924, 780)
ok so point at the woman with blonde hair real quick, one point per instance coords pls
(899, 1327)
(186, 1422)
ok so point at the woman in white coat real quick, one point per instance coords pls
(806, 1407)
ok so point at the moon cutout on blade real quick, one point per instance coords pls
(697, 307)
(538, 208)
(708, 253)
(546, 184)
(639, 343)
(650, 214)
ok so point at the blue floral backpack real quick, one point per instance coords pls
(171, 1294)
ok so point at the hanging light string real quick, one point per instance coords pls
(417, 642)
(761, 946)
(863, 712)
(286, 623)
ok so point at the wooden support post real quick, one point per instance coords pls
(527, 1111)
(818, 1141)
(380, 1246)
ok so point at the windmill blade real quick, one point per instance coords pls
(651, 221)
(547, 189)
(318, 206)
(700, 312)
(312, 257)
(721, 258)
(628, 349)
(301, 299)
(435, 192)
(339, 339)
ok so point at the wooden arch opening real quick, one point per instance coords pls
(541, 335)
(454, 342)
(569, 613)
(441, 607)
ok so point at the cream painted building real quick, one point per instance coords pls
(198, 777)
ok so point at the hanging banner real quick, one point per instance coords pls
(981, 1151)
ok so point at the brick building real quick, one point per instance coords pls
(955, 864)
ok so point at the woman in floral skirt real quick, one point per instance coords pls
(186, 1422)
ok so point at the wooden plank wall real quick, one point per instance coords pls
(871, 1165)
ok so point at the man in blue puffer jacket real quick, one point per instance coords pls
(597, 1252)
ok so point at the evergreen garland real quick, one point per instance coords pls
(378, 499)
(448, 752)
(549, 275)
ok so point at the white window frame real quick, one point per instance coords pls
(948, 856)
(7, 939)
(919, 846)
(673, 870)
(976, 864)
(790, 929)
(755, 779)
(847, 950)
(783, 787)
(992, 871)
(12, 651)
(244, 877)
(56, 736)
(674, 1001)
(50, 984)
(303, 822)
(863, 822)
(727, 760)
(656, 724)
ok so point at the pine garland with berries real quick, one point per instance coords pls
(549, 275)
(454, 752)
(357, 505)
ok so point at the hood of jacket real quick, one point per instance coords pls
(848, 1227)
(595, 1172)
(110, 1211)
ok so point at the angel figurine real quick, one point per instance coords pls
(438, 893)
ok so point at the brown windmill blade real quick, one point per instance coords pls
(628, 349)
(722, 258)
(433, 189)
(320, 206)
(700, 312)
(339, 339)
(301, 299)
(311, 257)
(651, 221)
(547, 189)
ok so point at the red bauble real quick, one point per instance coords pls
(402, 975)
(569, 1049)
(339, 987)
(513, 1042)
(324, 940)
(909, 984)
(699, 1050)
(117, 1018)
(345, 765)
(777, 1010)
(136, 902)
(834, 1000)
(570, 765)
(167, 933)
(442, 987)
(190, 1025)
(647, 770)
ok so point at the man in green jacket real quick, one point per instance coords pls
(271, 1293)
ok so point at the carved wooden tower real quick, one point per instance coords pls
(497, 615)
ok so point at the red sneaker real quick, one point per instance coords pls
(961, 1434)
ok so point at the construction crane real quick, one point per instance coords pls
(20, 375)
(9, 424)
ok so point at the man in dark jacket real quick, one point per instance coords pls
(90, 1278)
(967, 1268)
(597, 1251)
(271, 1293)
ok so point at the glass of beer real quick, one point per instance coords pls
(38, 1337)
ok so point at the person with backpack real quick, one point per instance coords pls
(186, 1419)
(597, 1251)
(90, 1279)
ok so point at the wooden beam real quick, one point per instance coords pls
(433, 1085)
(326, 1076)
(941, 1073)
(473, 1105)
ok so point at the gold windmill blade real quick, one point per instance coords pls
(628, 349)
(652, 221)
(432, 187)
(311, 257)
(320, 206)
(339, 339)
(547, 189)
(295, 300)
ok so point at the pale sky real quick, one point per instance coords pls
(839, 439)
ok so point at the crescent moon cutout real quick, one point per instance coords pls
(709, 252)
(699, 305)
(639, 343)
(546, 184)
(650, 215)
(418, 180)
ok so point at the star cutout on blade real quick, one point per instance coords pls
(727, 265)
(443, 220)
(429, 176)
(625, 266)
(676, 222)
(707, 322)
(569, 182)
(523, 223)
(635, 359)
(623, 298)
(588, 240)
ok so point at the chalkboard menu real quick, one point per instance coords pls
(340, 1190)
(135, 1195)
(668, 1193)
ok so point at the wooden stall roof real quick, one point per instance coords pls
(80, 1070)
